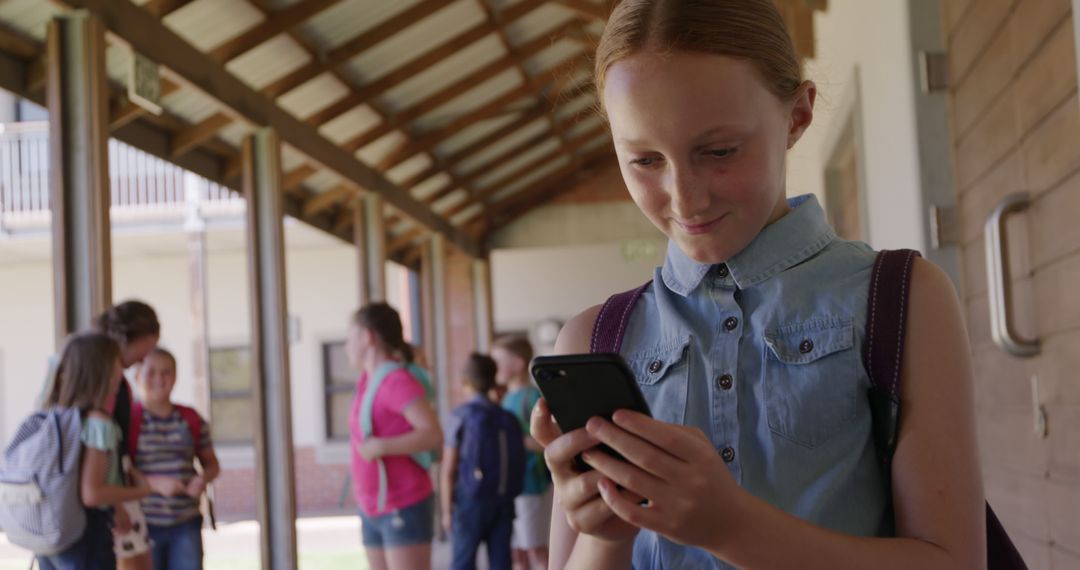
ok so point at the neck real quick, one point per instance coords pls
(158, 408)
(517, 381)
(373, 360)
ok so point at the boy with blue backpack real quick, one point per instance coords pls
(483, 469)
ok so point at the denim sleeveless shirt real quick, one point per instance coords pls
(764, 355)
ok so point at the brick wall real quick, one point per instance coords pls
(318, 489)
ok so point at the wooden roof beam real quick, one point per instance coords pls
(353, 47)
(587, 8)
(162, 8)
(328, 199)
(147, 35)
(517, 204)
(277, 23)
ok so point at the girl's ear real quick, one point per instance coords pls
(801, 112)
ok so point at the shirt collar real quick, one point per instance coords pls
(792, 239)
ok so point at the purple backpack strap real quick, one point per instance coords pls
(612, 321)
(883, 355)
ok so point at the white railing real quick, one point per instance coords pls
(143, 188)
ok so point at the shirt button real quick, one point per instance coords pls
(731, 323)
(725, 382)
(806, 346)
(722, 271)
(655, 366)
(728, 455)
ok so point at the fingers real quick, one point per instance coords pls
(655, 459)
(626, 507)
(560, 452)
(678, 441)
(589, 516)
(542, 425)
(628, 475)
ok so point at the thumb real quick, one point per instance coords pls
(542, 426)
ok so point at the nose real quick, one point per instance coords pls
(688, 193)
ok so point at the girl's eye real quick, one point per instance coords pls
(645, 162)
(721, 152)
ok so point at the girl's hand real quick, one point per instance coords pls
(447, 520)
(165, 486)
(692, 497)
(578, 494)
(371, 448)
(196, 487)
(121, 520)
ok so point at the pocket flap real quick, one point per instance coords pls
(650, 365)
(805, 342)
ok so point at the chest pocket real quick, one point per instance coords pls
(811, 379)
(662, 374)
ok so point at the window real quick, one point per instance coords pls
(231, 401)
(339, 382)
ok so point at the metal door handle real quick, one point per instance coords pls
(997, 276)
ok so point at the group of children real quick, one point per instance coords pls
(136, 474)
(495, 485)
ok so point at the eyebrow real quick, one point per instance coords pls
(720, 130)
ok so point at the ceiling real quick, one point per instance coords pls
(475, 111)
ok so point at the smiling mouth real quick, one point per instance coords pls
(698, 229)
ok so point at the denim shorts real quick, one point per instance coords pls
(410, 526)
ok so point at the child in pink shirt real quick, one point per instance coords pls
(394, 492)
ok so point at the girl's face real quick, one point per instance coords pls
(357, 342)
(157, 376)
(135, 351)
(507, 364)
(701, 144)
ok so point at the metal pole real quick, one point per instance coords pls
(439, 334)
(77, 99)
(270, 351)
(374, 246)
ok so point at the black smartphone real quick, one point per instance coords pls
(580, 386)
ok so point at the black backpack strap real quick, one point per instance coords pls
(613, 319)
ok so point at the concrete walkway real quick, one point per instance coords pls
(327, 543)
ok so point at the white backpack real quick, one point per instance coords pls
(40, 508)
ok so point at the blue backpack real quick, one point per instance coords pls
(424, 458)
(491, 460)
(40, 508)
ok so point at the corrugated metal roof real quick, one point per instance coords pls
(428, 187)
(471, 100)
(480, 159)
(351, 124)
(207, 24)
(539, 22)
(417, 38)
(349, 19)
(473, 134)
(271, 60)
(466, 214)
(446, 72)
(528, 179)
(29, 16)
(522, 159)
(409, 168)
(313, 96)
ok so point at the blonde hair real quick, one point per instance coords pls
(749, 30)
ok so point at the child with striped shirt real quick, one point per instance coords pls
(165, 439)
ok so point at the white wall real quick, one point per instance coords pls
(873, 37)
(321, 286)
(533, 284)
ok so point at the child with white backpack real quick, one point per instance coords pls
(64, 509)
